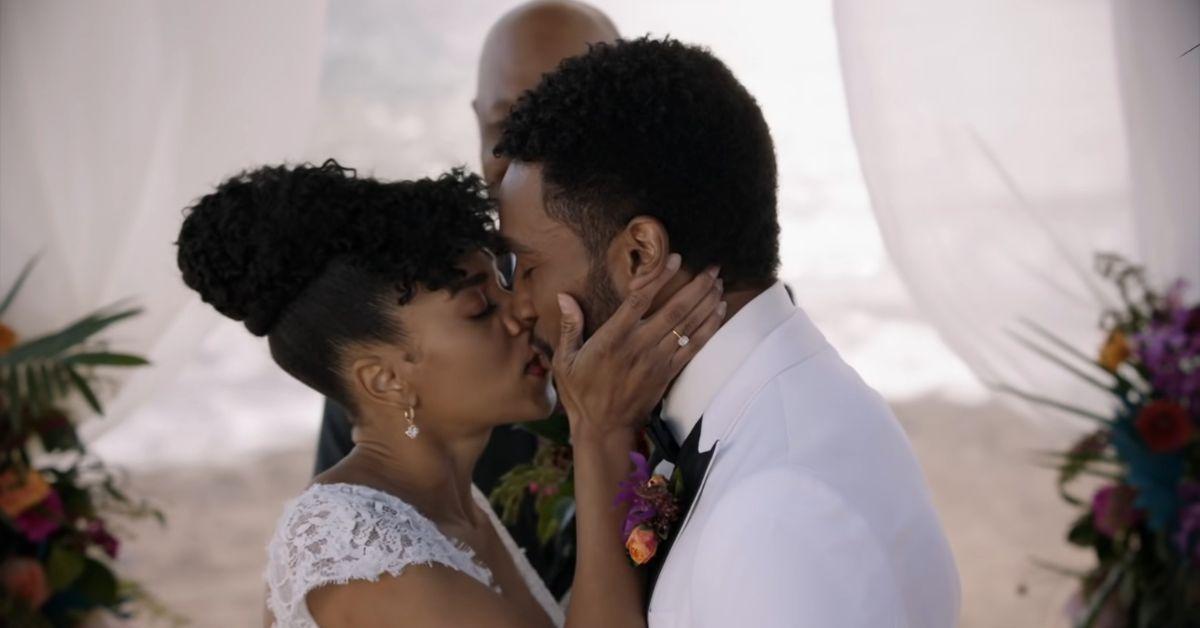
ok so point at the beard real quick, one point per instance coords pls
(601, 299)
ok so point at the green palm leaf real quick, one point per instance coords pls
(1053, 403)
(33, 390)
(1066, 346)
(1106, 387)
(12, 292)
(84, 389)
(106, 359)
(53, 345)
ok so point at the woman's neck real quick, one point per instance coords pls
(432, 473)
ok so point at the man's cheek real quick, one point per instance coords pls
(549, 322)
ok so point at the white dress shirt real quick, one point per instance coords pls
(813, 511)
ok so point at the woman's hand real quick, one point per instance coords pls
(613, 381)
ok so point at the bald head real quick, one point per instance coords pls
(524, 44)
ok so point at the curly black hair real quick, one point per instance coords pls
(658, 128)
(313, 257)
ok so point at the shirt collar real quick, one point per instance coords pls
(717, 361)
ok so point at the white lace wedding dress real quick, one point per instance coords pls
(335, 533)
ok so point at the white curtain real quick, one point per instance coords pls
(1004, 142)
(114, 117)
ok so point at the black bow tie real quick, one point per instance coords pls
(665, 447)
(691, 464)
(686, 457)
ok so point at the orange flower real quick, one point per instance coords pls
(1115, 351)
(20, 493)
(26, 579)
(642, 544)
(8, 339)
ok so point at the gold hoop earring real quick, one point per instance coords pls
(410, 415)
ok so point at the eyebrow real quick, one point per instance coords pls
(469, 282)
(513, 246)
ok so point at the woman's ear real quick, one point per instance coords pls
(381, 382)
(640, 251)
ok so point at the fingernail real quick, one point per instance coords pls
(674, 261)
(720, 285)
(563, 303)
(714, 271)
(721, 307)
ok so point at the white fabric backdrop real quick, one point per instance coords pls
(394, 100)
(1004, 142)
(1160, 90)
(115, 115)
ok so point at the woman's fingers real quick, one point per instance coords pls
(570, 337)
(676, 310)
(688, 326)
(697, 339)
(640, 297)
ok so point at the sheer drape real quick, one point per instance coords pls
(1159, 70)
(1004, 142)
(114, 116)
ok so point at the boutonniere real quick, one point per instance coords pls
(653, 509)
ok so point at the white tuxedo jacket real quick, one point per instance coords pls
(813, 511)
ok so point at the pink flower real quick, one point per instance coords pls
(26, 579)
(642, 544)
(42, 520)
(1113, 510)
(101, 536)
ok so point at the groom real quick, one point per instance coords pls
(804, 504)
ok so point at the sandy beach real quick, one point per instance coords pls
(1000, 512)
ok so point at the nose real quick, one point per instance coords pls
(493, 169)
(518, 313)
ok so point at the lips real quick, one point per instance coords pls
(536, 366)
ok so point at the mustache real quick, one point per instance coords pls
(541, 346)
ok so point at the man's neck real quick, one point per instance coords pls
(751, 315)
(738, 298)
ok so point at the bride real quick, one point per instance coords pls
(386, 297)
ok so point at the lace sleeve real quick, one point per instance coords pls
(336, 533)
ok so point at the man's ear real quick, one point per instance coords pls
(382, 382)
(640, 251)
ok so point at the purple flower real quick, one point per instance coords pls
(1113, 509)
(1188, 536)
(630, 485)
(640, 509)
(641, 512)
(1169, 347)
(99, 534)
(42, 520)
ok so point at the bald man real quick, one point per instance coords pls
(521, 46)
(524, 44)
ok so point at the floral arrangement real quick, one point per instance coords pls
(1142, 520)
(653, 509)
(548, 482)
(56, 544)
(547, 485)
